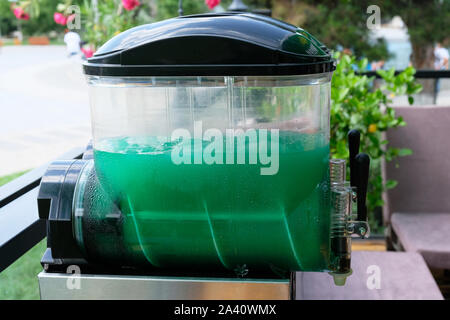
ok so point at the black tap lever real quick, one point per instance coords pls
(362, 161)
(353, 137)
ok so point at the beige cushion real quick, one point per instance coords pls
(423, 177)
(425, 233)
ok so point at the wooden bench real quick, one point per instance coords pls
(39, 41)
(402, 276)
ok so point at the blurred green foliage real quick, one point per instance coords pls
(112, 19)
(337, 23)
(169, 8)
(7, 19)
(41, 21)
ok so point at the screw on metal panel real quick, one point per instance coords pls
(241, 270)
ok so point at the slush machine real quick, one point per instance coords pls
(209, 173)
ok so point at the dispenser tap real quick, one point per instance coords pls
(344, 224)
(363, 162)
(359, 177)
(353, 137)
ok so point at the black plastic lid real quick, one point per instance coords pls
(230, 44)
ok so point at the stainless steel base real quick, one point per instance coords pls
(118, 287)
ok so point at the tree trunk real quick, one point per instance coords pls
(423, 58)
(153, 8)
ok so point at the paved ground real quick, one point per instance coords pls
(43, 106)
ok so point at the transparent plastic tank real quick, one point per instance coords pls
(212, 172)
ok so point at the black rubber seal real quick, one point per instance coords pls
(208, 70)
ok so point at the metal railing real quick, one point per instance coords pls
(420, 74)
(427, 96)
(20, 226)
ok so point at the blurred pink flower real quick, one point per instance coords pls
(130, 4)
(20, 14)
(60, 18)
(88, 52)
(212, 3)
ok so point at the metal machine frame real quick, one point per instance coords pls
(130, 287)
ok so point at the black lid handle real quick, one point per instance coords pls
(362, 163)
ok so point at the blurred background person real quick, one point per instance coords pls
(440, 63)
(73, 43)
(440, 57)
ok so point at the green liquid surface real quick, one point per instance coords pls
(221, 215)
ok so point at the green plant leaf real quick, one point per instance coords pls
(390, 184)
(405, 152)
